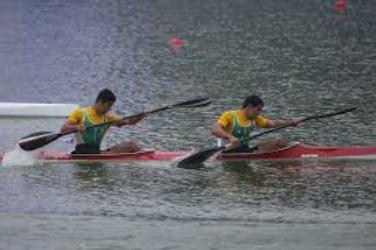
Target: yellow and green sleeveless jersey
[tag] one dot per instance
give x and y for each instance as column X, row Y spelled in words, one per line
column 236, row 122
column 88, row 117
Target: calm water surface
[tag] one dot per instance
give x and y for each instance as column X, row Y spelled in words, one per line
column 302, row 57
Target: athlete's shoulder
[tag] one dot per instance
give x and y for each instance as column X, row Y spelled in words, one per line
column 76, row 114
column 261, row 116
column 261, row 121
column 226, row 117
column 229, row 112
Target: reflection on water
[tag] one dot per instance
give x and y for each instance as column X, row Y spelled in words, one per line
column 327, row 185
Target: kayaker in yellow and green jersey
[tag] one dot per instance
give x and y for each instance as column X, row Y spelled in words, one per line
column 88, row 141
column 235, row 125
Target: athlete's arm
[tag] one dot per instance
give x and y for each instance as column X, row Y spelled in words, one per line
column 73, row 122
column 218, row 131
column 279, row 123
column 72, row 125
column 131, row 121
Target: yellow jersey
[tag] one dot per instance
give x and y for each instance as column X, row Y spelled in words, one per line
column 77, row 116
column 89, row 117
column 227, row 120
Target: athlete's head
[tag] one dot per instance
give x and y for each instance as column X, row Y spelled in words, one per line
column 104, row 101
column 252, row 106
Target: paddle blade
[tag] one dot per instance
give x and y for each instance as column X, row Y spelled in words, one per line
column 39, row 141
column 195, row 160
column 36, row 134
column 199, row 102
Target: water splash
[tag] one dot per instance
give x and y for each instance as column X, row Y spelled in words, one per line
column 19, row 157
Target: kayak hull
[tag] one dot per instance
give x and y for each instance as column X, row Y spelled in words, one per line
column 299, row 150
column 294, row 151
column 146, row 155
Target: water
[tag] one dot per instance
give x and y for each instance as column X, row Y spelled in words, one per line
column 18, row 157
column 302, row 58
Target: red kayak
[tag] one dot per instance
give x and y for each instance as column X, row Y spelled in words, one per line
column 294, row 151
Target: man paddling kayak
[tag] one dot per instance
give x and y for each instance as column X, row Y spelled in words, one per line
column 236, row 125
column 88, row 141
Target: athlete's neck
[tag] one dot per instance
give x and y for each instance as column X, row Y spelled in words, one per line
column 97, row 109
column 246, row 113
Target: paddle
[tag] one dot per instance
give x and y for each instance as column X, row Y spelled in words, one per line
column 40, row 139
column 193, row 161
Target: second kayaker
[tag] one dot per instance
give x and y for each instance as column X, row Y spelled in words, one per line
column 236, row 125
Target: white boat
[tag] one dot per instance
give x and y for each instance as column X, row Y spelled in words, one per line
column 19, row 109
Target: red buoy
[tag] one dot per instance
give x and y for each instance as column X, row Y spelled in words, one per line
column 175, row 44
column 340, row 5
column 175, row 41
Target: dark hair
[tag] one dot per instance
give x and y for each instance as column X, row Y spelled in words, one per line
column 254, row 100
column 106, row 95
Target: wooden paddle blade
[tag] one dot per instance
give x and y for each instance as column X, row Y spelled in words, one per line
column 194, row 160
column 37, row 141
column 199, row 102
